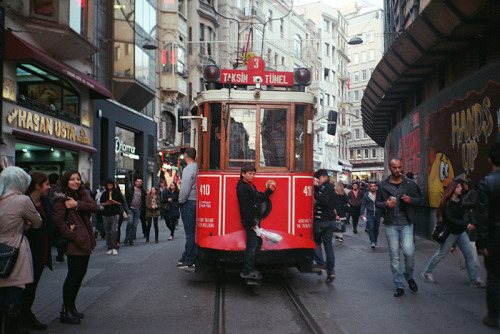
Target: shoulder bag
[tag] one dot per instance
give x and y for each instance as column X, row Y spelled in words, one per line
column 339, row 226
column 440, row 233
column 8, row 254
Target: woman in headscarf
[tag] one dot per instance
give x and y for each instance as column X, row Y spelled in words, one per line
column 72, row 210
column 17, row 214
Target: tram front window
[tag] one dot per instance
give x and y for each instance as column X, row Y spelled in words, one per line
column 242, row 137
column 299, row 138
column 273, row 137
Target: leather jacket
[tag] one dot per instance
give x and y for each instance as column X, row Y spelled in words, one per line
column 488, row 210
column 410, row 189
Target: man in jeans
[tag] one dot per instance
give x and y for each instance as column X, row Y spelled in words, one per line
column 136, row 200
column 187, row 202
column 399, row 196
column 324, row 216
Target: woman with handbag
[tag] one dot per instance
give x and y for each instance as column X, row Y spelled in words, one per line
column 17, row 214
column 340, row 203
column 172, row 214
column 452, row 211
column 41, row 240
column 72, row 210
column 152, row 212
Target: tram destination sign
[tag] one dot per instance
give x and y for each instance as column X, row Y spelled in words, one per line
column 256, row 73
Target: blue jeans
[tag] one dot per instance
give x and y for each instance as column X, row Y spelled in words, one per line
column 188, row 215
column 323, row 235
column 373, row 225
column 133, row 220
column 253, row 244
column 401, row 235
column 463, row 242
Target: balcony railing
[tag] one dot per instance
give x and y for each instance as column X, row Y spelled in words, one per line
column 51, row 110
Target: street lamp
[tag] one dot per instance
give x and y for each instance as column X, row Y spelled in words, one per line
column 355, row 40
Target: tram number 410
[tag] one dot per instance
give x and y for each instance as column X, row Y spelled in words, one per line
column 205, row 190
column 308, row 191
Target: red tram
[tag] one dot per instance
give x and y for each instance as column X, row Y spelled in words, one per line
column 264, row 118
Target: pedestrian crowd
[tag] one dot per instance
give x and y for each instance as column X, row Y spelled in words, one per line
column 470, row 220
column 39, row 211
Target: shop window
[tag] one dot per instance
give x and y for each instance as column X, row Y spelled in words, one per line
column 45, row 9
column 44, row 92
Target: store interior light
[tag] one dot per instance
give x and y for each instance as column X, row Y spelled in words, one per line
column 25, row 150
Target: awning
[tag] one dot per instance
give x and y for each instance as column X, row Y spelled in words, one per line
column 52, row 141
column 17, row 49
column 344, row 163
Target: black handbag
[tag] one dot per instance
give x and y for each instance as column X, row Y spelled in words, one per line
column 339, row 226
column 8, row 258
column 440, row 233
column 165, row 206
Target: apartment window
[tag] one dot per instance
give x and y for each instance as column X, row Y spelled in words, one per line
column 209, row 40
column 326, row 49
column 366, row 153
column 371, row 36
column 276, row 59
column 355, row 58
column 269, row 52
column 356, row 95
column 327, row 73
column 364, row 135
column 356, row 134
column 283, row 61
column 358, row 154
column 356, row 76
column 363, row 57
column 374, row 153
column 180, row 6
column 297, row 46
column 202, row 37
column 363, row 75
column 326, row 25
column 372, row 54
column 327, row 100
column 333, row 75
column 371, row 70
column 270, row 19
column 351, row 154
column 282, row 27
column 356, row 112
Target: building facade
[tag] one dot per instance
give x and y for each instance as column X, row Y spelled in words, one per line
column 366, row 156
column 433, row 99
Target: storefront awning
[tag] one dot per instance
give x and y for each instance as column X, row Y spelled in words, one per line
column 53, row 142
column 17, row 49
column 344, row 163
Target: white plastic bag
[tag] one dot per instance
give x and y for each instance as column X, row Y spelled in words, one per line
column 270, row 237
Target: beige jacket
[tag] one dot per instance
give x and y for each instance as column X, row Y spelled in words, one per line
column 18, row 208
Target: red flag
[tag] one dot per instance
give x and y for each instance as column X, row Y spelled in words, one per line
column 348, row 83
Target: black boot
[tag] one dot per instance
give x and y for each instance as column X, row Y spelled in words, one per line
column 12, row 320
column 78, row 314
column 68, row 317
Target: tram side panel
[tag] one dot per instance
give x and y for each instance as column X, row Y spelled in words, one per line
column 218, row 217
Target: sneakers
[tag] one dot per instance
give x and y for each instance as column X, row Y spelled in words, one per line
column 428, row 277
column 181, row 260
column 182, row 265
column 109, row 252
column 412, row 285
column 341, row 239
column 373, row 245
column 477, row 283
column 251, row 275
column 330, row 277
column 115, row 252
column 190, row 268
column 318, row 269
column 399, row 292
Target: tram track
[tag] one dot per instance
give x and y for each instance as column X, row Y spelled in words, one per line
column 220, row 312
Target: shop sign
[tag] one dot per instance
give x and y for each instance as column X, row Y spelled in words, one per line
column 151, row 166
column 43, row 124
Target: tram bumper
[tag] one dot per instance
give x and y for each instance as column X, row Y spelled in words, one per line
column 291, row 251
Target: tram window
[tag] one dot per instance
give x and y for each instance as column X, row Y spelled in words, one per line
column 242, row 124
column 215, row 135
column 299, row 138
column 273, row 137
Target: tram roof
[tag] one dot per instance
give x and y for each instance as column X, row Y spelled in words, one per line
column 247, row 96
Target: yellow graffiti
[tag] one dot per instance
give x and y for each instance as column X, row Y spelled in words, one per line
column 440, row 175
column 469, row 124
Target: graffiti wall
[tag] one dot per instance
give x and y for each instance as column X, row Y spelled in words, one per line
column 441, row 142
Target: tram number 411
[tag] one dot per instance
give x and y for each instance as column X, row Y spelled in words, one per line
column 205, row 190
column 308, row 191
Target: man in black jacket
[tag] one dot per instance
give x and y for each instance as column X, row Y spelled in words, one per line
column 324, row 217
column 399, row 197
column 250, row 201
column 488, row 240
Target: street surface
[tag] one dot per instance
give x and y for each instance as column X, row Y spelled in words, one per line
column 141, row 291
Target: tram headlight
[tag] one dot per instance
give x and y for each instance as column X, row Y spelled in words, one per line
column 211, row 73
column 302, row 76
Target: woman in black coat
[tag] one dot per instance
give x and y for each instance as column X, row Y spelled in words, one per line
column 171, row 196
column 40, row 240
